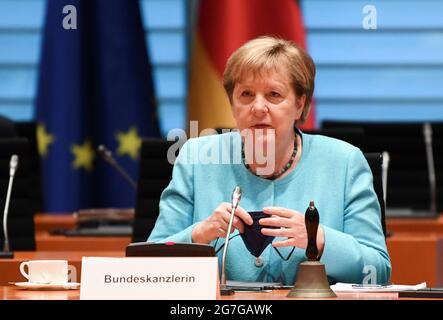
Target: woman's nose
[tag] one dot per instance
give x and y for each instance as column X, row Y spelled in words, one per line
column 259, row 106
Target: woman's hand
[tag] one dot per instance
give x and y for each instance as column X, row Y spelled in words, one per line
column 216, row 225
column 292, row 226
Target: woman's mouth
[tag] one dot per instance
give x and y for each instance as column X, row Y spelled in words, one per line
column 261, row 126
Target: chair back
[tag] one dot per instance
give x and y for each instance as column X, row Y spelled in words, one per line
column 408, row 185
column 155, row 173
column 375, row 161
column 28, row 130
column 21, row 228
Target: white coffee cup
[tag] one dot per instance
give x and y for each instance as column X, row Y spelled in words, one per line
column 46, row 271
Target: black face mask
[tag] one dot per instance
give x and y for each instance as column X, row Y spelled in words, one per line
column 255, row 241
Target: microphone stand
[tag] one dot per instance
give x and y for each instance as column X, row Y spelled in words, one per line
column 107, row 156
column 236, row 196
column 384, row 177
column 427, row 132
column 6, row 253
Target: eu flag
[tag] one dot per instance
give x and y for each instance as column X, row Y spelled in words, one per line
column 95, row 87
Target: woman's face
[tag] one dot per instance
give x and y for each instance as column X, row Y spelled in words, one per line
column 267, row 101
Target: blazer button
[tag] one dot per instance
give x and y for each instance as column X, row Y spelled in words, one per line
column 259, row 262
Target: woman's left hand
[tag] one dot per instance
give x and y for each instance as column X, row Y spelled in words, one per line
column 292, row 226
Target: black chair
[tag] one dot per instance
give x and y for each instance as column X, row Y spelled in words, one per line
column 408, row 184
column 155, row 173
column 7, row 128
column 21, row 228
column 356, row 136
column 28, row 130
column 437, row 146
column 375, row 161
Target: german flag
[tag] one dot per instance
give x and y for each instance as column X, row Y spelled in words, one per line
column 222, row 27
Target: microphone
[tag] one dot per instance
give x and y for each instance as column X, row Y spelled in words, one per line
column 384, row 176
column 427, row 133
column 235, row 200
column 107, row 156
column 6, row 253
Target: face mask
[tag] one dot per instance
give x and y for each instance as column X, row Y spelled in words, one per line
column 254, row 240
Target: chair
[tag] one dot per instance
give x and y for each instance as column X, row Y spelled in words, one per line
column 7, row 128
column 408, row 184
column 21, row 228
column 356, row 136
column 28, row 130
column 155, row 173
column 375, row 161
column 437, row 132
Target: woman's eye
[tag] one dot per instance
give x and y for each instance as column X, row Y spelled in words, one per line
column 246, row 94
column 275, row 94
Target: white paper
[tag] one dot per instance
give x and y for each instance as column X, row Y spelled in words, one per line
column 352, row 287
column 247, row 284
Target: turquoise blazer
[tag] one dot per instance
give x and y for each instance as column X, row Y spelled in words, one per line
column 331, row 172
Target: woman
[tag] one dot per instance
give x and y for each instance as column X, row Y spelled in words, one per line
column 270, row 83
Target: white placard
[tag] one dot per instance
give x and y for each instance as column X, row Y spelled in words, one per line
column 136, row 278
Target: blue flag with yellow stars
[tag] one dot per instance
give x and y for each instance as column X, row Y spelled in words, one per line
column 95, row 87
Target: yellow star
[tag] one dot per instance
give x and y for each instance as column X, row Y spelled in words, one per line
column 44, row 139
column 129, row 143
column 83, row 155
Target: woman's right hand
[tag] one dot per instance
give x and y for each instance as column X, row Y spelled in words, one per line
column 216, row 225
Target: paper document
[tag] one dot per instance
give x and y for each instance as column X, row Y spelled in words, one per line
column 246, row 284
column 352, row 287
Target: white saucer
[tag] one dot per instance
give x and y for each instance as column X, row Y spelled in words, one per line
column 60, row 286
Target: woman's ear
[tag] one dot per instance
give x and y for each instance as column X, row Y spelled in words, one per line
column 300, row 105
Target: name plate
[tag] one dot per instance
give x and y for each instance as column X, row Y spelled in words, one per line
column 141, row 278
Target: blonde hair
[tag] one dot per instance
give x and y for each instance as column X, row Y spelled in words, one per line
column 268, row 53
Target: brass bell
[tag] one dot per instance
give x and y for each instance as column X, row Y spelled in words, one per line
column 311, row 280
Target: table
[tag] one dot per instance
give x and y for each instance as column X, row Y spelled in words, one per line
column 415, row 248
column 46, row 222
column 416, row 258
column 415, row 226
column 48, row 242
column 13, row 293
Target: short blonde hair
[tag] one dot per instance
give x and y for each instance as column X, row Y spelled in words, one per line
column 267, row 53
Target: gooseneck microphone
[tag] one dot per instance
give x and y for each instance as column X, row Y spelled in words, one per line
column 235, row 200
column 13, row 164
column 427, row 133
column 107, row 156
column 384, row 173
